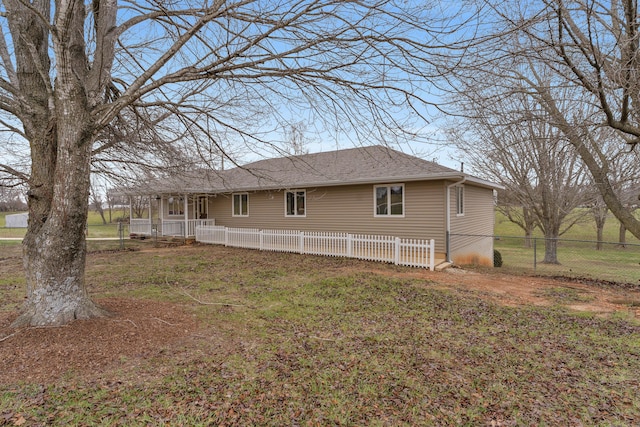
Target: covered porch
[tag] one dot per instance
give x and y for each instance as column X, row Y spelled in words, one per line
column 171, row 215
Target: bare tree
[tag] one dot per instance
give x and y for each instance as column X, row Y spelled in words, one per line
column 11, row 199
column 295, row 138
column 96, row 202
column 517, row 146
column 510, row 205
column 551, row 49
column 98, row 81
column 624, row 172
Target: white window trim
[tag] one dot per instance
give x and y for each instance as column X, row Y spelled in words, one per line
column 175, row 199
column 375, row 200
column 286, row 214
column 233, row 205
column 460, row 206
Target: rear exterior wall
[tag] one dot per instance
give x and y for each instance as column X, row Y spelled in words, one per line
column 471, row 238
column 347, row 209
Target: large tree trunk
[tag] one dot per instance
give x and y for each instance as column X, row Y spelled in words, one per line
column 551, row 228
column 54, row 247
column 599, row 235
column 622, row 236
column 529, row 226
column 550, row 250
column 600, row 218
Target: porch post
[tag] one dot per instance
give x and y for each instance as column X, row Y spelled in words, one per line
column 161, row 215
column 186, row 216
column 150, row 215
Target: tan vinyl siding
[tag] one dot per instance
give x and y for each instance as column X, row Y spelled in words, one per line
column 348, row 209
column 466, row 229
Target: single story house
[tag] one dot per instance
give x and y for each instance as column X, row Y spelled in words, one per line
column 370, row 190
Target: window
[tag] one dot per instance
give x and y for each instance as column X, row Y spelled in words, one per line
column 241, row 204
column 176, row 205
column 389, row 200
column 295, row 202
column 460, row 200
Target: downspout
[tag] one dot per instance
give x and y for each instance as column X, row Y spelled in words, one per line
column 448, row 217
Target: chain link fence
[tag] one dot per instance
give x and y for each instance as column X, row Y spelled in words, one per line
column 112, row 236
column 588, row 259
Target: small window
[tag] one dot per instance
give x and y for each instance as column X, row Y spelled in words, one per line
column 460, row 200
column 241, row 204
column 176, row 205
column 295, row 203
column 389, row 200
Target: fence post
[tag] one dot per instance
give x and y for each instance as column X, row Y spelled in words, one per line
column 349, row 245
column 302, row 242
column 432, row 255
column 535, row 253
column 397, row 251
column 261, row 239
column 226, row 237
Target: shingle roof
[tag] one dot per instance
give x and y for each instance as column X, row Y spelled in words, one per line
column 373, row 164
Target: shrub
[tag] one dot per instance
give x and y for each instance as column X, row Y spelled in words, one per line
column 497, row 258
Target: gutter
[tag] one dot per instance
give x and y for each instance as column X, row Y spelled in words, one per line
column 448, row 216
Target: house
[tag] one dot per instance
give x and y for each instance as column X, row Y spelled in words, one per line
column 371, row 190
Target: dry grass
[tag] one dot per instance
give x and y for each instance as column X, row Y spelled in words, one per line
column 301, row 340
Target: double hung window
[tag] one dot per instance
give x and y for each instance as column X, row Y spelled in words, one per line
column 295, row 203
column 389, row 200
column 241, row 204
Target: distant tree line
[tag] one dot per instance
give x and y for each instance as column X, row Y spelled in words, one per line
column 12, row 199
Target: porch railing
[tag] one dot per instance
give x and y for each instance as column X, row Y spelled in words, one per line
column 410, row 252
column 176, row 227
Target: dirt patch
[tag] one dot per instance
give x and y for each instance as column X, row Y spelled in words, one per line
column 515, row 290
column 138, row 329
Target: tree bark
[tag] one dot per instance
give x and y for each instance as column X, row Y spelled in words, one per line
column 622, row 236
column 54, row 247
column 551, row 251
column 600, row 218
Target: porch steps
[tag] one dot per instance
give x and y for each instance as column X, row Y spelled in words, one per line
column 443, row 266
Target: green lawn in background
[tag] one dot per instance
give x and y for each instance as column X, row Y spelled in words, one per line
column 577, row 253
column 585, row 230
column 95, row 229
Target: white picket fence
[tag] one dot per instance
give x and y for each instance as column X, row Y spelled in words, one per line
column 140, row 226
column 410, row 252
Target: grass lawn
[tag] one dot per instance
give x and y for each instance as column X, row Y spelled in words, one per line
column 300, row 340
column 95, row 227
column 585, row 230
column 576, row 251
